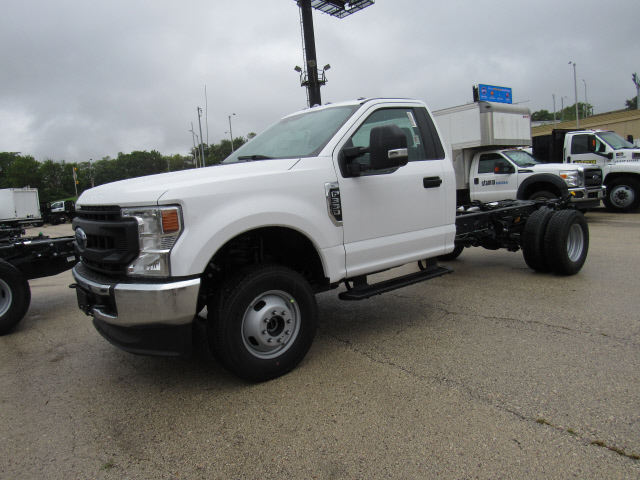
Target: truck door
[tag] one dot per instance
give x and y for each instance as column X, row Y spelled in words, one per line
column 394, row 217
column 488, row 186
column 579, row 151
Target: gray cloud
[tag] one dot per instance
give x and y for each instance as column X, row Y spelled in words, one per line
column 84, row 80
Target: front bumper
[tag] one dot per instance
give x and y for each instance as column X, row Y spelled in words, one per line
column 587, row 197
column 140, row 316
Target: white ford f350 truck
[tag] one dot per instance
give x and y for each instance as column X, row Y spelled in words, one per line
column 618, row 158
column 482, row 138
column 325, row 196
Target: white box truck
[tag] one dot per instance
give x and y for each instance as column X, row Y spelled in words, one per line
column 19, row 206
column 484, row 140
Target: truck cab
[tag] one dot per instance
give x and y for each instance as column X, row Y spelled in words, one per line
column 515, row 174
column 618, row 158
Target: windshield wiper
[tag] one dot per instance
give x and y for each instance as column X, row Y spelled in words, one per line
column 254, row 157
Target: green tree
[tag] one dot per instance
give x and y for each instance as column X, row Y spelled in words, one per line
column 541, row 116
column 23, row 171
column 632, row 104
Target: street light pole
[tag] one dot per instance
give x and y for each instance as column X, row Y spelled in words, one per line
column 575, row 86
column 231, row 132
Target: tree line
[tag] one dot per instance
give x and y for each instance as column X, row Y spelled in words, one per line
column 568, row 113
column 55, row 179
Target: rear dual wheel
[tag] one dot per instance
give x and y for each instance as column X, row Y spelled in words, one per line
column 556, row 242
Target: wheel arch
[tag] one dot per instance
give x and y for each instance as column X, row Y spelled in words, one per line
column 617, row 175
column 268, row 244
column 543, row 181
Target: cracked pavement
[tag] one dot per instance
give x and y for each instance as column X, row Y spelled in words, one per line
column 492, row 372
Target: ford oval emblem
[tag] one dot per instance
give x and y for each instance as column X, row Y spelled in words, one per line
column 81, row 239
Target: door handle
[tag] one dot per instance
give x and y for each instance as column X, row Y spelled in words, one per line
column 431, row 182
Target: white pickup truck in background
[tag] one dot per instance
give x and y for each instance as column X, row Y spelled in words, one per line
column 483, row 138
column 618, row 158
column 326, row 196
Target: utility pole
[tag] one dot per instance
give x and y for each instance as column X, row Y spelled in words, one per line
column 195, row 150
column 231, row 132
column 554, row 109
column 201, row 139
column 586, row 102
column 636, row 80
column 575, row 86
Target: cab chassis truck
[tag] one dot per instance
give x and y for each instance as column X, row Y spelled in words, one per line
column 326, row 196
column 23, row 259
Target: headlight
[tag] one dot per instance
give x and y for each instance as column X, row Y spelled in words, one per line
column 158, row 230
column 572, row 177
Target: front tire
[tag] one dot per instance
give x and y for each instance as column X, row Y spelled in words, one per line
column 15, row 296
column 566, row 242
column 262, row 322
column 543, row 195
column 623, row 195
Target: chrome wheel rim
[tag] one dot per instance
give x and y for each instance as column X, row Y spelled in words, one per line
column 5, row 298
column 622, row 196
column 575, row 242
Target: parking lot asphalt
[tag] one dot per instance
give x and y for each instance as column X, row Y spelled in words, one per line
column 495, row 371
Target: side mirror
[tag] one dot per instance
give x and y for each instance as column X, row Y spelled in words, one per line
column 387, row 147
column 502, row 167
column 591, row 143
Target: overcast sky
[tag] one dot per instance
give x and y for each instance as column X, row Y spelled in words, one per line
column 83, row 79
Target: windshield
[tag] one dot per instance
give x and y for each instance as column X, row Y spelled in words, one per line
column 520, row 158
column 301, row 135
column 614, row 140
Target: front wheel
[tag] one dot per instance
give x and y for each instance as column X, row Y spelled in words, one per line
column 15, row 296
column 262, row 322
column 623, row 195
column 543, row 195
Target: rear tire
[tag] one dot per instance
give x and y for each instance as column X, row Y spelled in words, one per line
column 15, row 296
column 533, row 239
column 623, row 195
column 262, row 322
column 566, row 242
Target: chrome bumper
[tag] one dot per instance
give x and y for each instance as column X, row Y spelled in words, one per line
column 134, row 302
column 586, row 194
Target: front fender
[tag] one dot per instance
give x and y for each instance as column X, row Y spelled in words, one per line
column 541, row 178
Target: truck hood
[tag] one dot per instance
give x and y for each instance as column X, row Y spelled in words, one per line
column 148, row 190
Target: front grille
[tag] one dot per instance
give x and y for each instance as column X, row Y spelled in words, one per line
column 635, row 156
column 112, row 241
column 592, row 177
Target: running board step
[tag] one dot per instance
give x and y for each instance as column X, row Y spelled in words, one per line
column 362, row 293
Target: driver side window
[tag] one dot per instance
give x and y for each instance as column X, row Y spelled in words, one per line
column 401, row 117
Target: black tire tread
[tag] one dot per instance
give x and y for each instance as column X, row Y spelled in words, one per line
column 533, row 239
column 220, row 324
column 21, row 296
column 555, row 242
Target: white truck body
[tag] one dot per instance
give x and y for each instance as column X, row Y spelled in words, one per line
column 618, row 158
column 480, row 133
column 325, row 196
column 19, row 205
